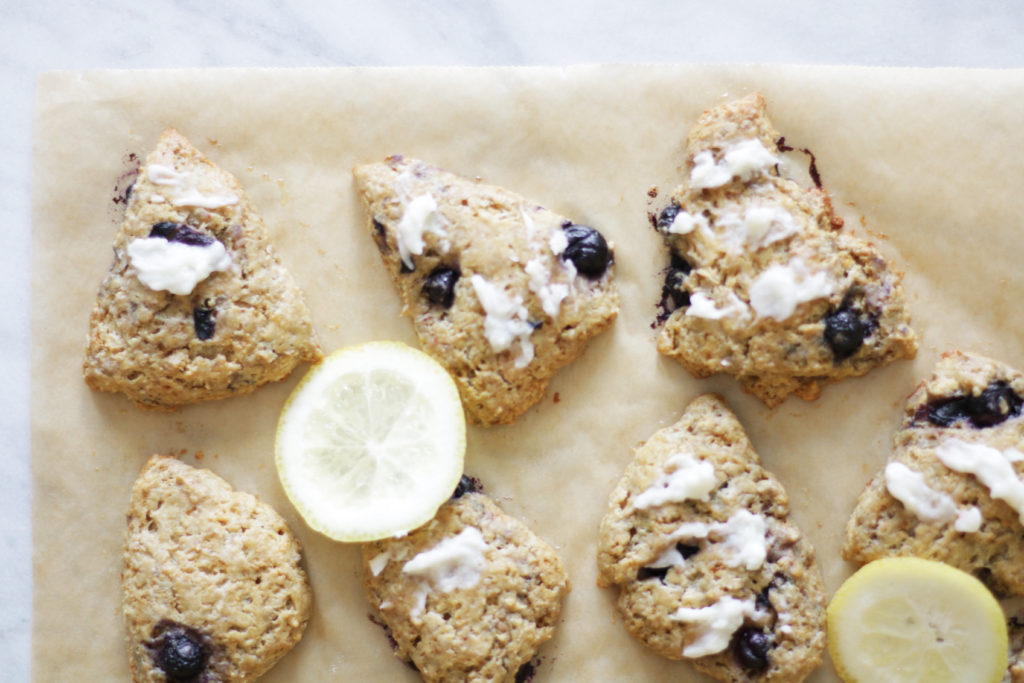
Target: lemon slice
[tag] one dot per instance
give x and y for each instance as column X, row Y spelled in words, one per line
column 905, row 619
column 371, row 442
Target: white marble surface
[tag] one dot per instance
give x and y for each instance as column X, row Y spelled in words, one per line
column 43, row 35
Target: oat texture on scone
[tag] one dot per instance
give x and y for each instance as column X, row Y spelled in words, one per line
column 763, row 283
column 951, row 490
column 501, row 291
column 196, row 304
column 698, row 542
column 213, row 588
column 470, row 596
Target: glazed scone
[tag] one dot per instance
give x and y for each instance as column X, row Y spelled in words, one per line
column 952, row 489
column 213, row 589
column 708, row 567
column 196, row 305
column 470, row 596
column 501, row 291
column 762, row 282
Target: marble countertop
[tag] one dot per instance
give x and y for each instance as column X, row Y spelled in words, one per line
column 87, row 34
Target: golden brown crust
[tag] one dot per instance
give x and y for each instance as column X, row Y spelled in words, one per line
column 146, row 343
column 882, row 526
column 498, row 236
column 787, row 587
column 480, row 633
column 728, row 252
column 200, row 555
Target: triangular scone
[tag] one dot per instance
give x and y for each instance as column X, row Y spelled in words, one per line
column 212, row 586
column 469, row 596
column 952, row 489
column 238, row 319
column 762, row 283
column 698, row 541
column 501, row 291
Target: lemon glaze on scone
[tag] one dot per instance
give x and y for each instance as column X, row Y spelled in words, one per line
column 762, row 282
column 213, row 588
column 196, row 305
column 708, row 566
column 470, row 596
column 501, row 291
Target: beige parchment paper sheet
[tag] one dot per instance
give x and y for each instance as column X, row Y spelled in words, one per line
column 928, row 160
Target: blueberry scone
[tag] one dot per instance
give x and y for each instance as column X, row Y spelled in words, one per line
column 213, row 590
column 501, row 291
column 196, row 305
column 470, row 596
column 952, row 489
column 1015, row 667
column 708, row 567
column 762, row 283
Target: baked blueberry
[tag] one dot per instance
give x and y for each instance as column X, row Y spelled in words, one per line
column 667, row 217
column 646, row 573
column 180, row 653
column 673, row 293
column 179, row 232
column 751, row 646
column 380, row 236
column 526, row 673
column 844, row 333
column 997, row 403
column 203, row 319
column 687, row 551
column 994, row 405
column 467, row 484
column 946, row 411
column 439, row 287
column 587, row 249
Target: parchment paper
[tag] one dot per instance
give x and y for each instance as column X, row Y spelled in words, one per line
column 929, row 160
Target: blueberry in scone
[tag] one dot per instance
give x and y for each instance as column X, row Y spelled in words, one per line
column 952, row 490
column 213, row 588
column 501, row 291
column 470, row 596
column 762, row 282
column 698, row 542
column 196, row 305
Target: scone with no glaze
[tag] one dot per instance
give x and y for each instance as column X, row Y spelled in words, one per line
column 762, row 282
column 501, row 291
column 708, row 566
column 196, row 305
column 952, row 489
column 213, row 589
column 470, row 596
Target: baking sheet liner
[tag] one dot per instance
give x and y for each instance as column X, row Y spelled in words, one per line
column 924, row 162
